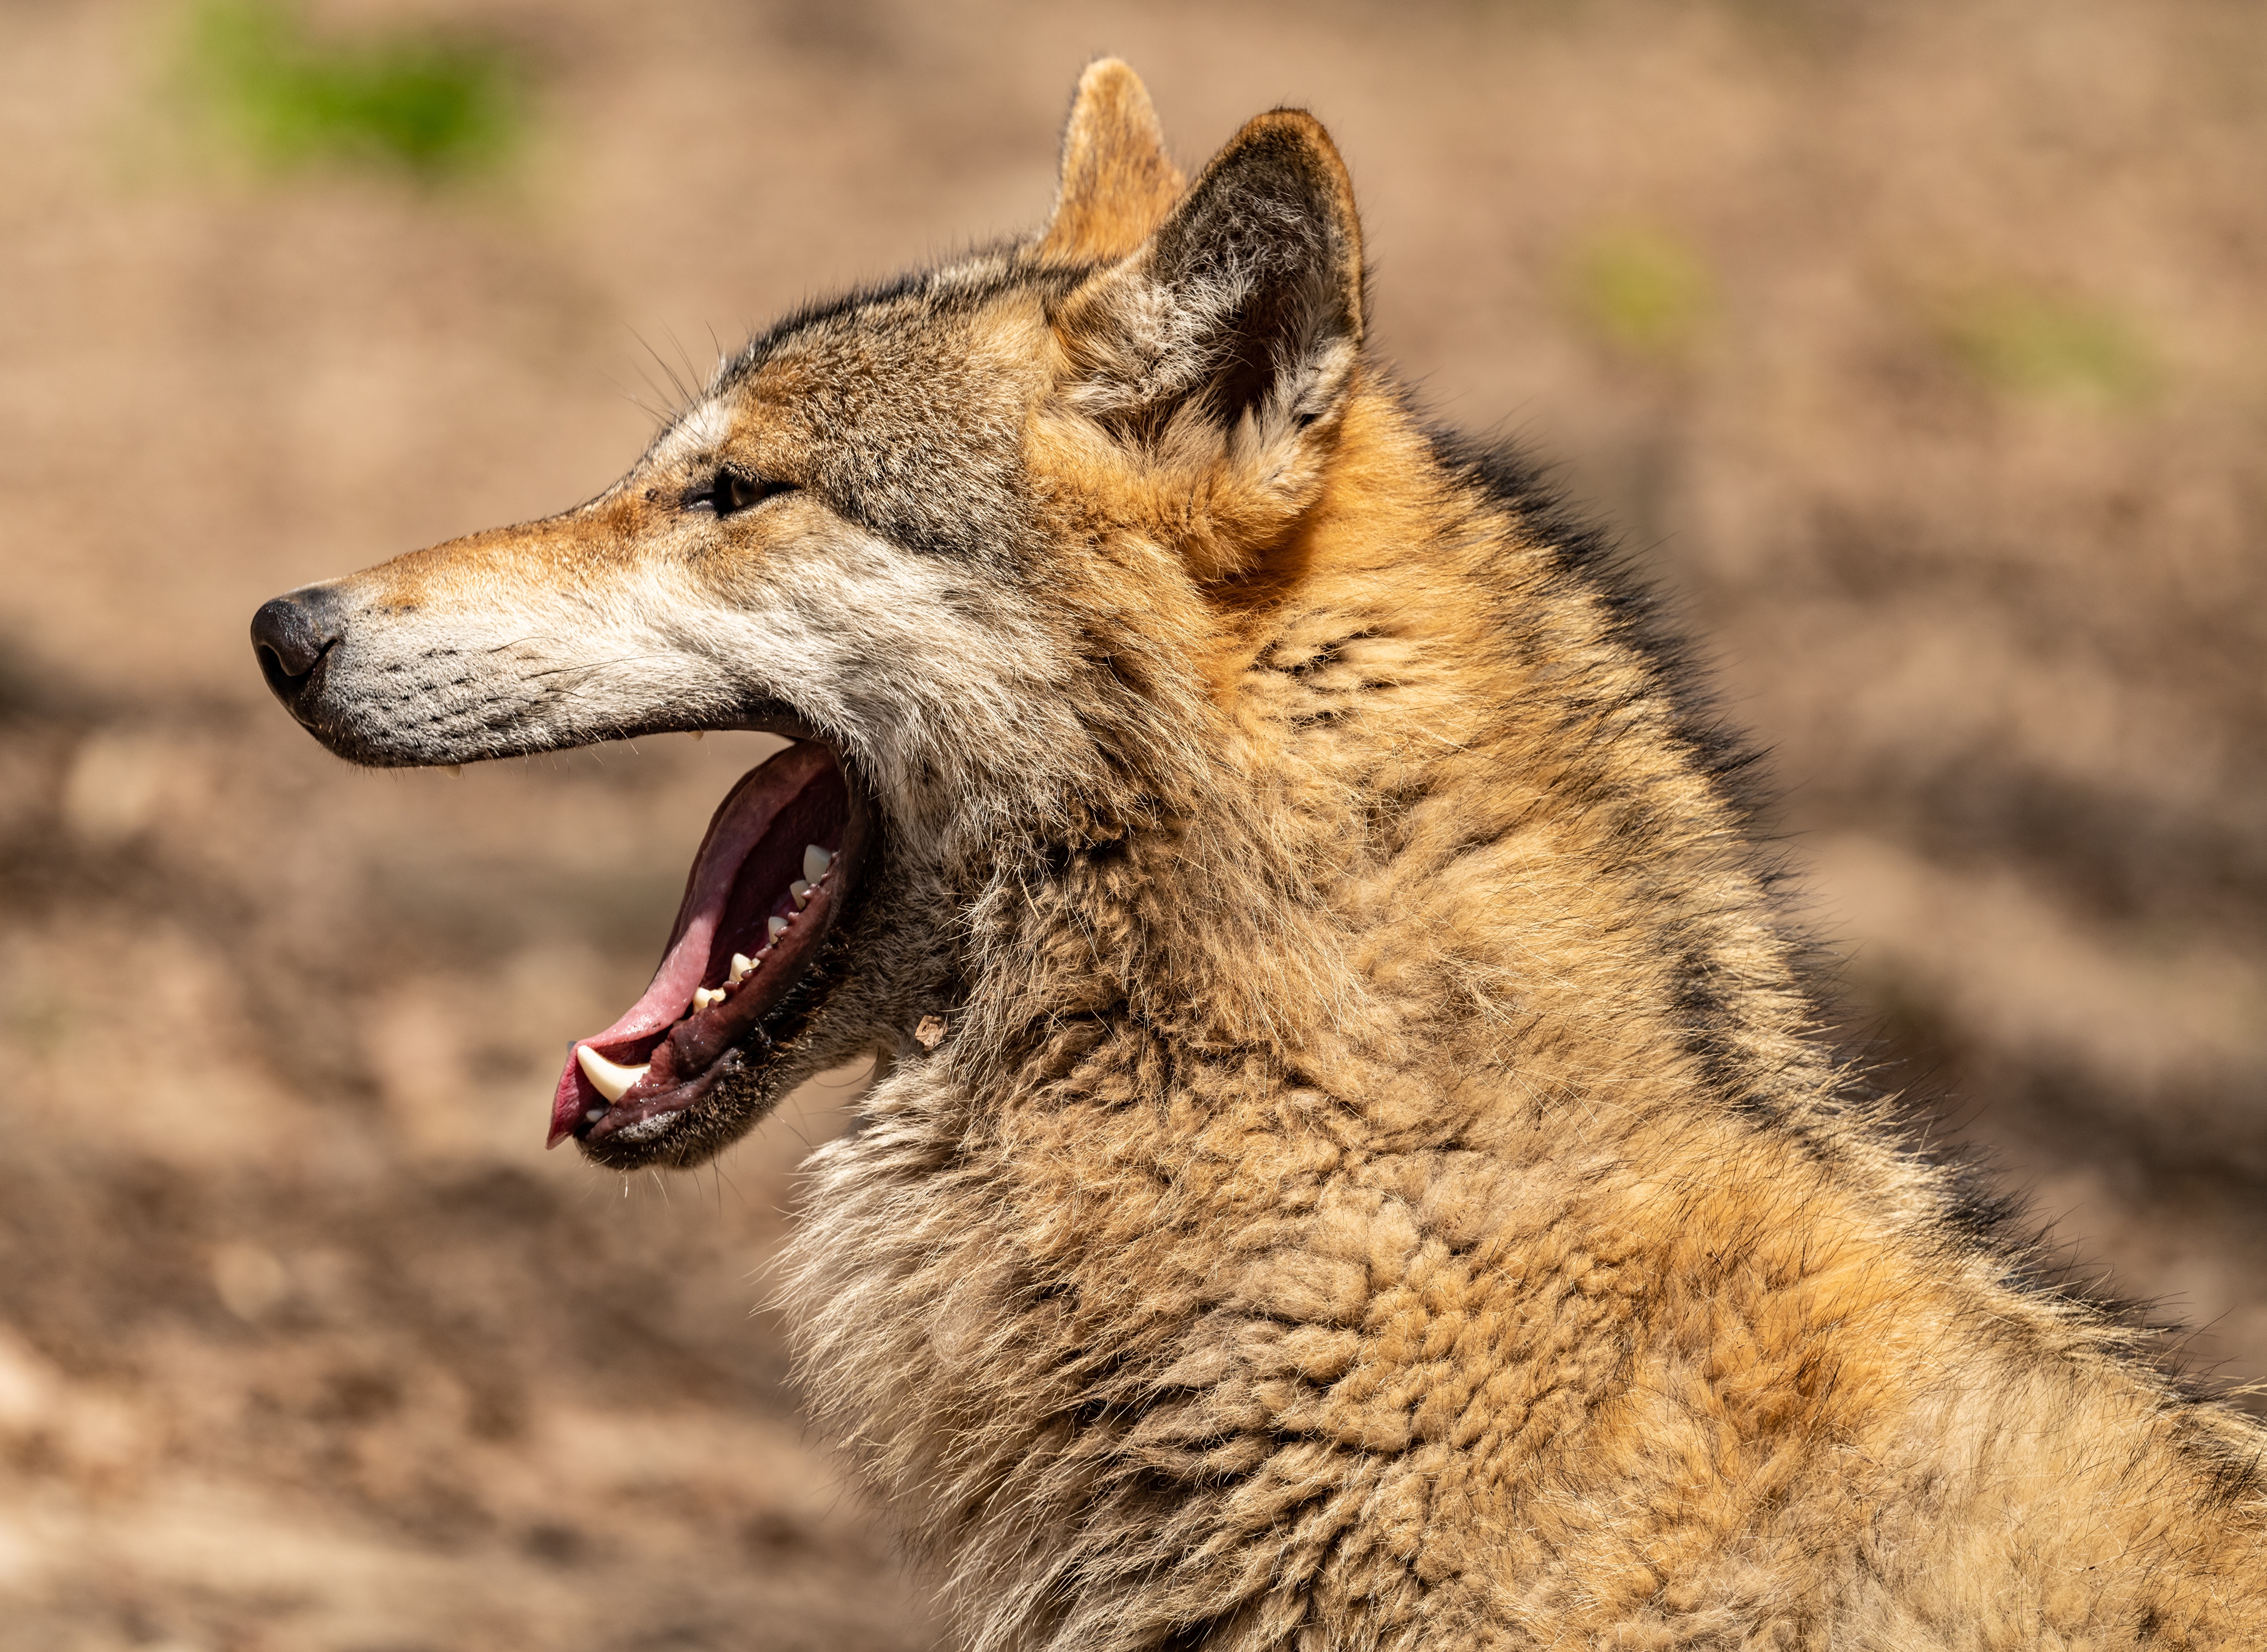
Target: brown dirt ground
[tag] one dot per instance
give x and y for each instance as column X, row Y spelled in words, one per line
column 305, row 1344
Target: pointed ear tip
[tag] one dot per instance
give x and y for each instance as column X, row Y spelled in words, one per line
column 1282, row 133
column 1297, row 123
column 1110, row 76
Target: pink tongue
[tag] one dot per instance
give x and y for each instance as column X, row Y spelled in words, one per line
column 737, row 828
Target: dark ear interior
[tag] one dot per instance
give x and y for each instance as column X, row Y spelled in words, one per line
column 1268, row 245
column 1246, row 300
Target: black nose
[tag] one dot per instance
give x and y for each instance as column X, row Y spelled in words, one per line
column 291, row 634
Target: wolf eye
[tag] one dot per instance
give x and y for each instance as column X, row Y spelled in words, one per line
column 733, row 491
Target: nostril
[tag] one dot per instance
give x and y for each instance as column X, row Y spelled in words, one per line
column 289, row 638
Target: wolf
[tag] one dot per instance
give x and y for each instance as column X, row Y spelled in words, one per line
column 1354, row 1163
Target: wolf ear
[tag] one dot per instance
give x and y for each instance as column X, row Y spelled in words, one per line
column 1246, row 303
column 1118, row 182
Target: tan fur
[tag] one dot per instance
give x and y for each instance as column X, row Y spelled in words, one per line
column 1441, row 1306
column 1379, row 1183
column 1117, row 180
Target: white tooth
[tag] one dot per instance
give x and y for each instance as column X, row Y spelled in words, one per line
column 702, row 997
column 593, row 1115
column 815, row 862
column 778, row 927
column 743, row 967
column 608, row 1079
column 800, row 891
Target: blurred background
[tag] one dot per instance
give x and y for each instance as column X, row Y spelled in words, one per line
column 1920, row 349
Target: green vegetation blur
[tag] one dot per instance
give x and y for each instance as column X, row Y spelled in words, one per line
column 2054, row 347
column 1649, row 296
column 430, row 104
column 1642, row 290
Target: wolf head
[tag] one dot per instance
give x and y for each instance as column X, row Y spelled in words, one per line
column 975, row 541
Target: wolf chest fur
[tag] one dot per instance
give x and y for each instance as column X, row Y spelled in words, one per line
column 1353, row 1164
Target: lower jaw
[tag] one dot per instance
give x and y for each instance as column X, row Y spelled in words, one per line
column 735, row 1097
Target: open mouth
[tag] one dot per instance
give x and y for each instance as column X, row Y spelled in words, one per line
column 776, row 870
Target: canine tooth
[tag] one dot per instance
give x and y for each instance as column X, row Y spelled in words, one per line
column 593, row 1115
column 778, row 927
column 608, row 1079
column 743, row 967
column 800, row 891
column 697, row 733
column 815, row 862
column 703, row 996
